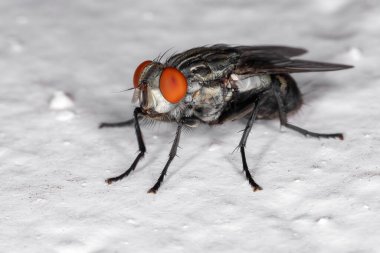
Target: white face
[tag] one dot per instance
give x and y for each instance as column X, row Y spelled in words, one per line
column 152, row 100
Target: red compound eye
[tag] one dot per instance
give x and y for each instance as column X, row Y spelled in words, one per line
column 173, row 85
column 138, row 72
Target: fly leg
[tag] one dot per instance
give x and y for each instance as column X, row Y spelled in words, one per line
column 284, row 119
column 172, row 154
column 117, row 124
column 142, row 148
column 243, row 142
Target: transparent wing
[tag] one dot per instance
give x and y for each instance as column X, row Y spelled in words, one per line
column 217, row 61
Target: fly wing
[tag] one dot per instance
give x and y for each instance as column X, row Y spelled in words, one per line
column 272, row 62
column 219, row 61
column 206, row 63
column 279, row 50
column 223, row 51
column 205, row 55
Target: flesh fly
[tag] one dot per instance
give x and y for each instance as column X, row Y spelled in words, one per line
column 219, row 83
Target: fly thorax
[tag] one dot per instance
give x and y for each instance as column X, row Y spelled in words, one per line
column 193, row 86
column 208, row 102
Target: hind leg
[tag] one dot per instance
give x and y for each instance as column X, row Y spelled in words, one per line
column 276, row 86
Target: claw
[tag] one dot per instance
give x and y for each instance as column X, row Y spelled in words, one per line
column 152, row 190
column 257, row 188
column 109, row 181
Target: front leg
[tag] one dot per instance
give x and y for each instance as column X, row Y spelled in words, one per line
column 284, row 118
column 142, row 148
column 172, row 154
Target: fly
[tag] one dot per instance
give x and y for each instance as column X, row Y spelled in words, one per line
column 219, row 83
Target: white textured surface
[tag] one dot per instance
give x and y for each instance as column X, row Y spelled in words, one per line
column 319, row 195
column 61, row 101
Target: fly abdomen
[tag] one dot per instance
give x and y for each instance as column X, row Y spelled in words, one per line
column 254, row 83
column 290, row 94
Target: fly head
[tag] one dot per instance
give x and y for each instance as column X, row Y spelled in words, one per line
column 158, row 88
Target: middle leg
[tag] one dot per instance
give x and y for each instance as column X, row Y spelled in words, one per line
column 259, row 100
column 117, row 124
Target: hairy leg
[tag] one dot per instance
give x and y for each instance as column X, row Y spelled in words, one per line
column 117, row 124
column 284, row 119
column 243, row 142
column 142, row 149
column 172, row 154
